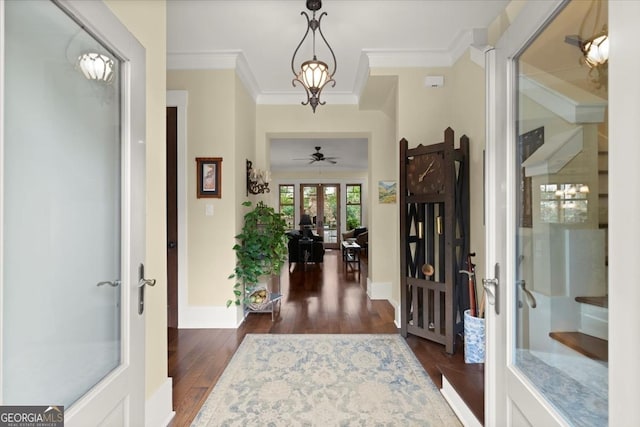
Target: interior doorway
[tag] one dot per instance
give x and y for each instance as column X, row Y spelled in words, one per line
column 322, row 203
column 172, row 217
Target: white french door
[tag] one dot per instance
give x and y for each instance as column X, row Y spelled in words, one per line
column 548, row 220
column 72, row 211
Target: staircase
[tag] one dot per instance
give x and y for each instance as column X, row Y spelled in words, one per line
column 591, row 339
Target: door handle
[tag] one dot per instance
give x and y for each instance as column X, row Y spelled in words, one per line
column 142, row 282
column 492, row 288
column 113, row 284
column 531, row 299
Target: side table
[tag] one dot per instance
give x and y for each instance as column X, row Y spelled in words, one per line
column 351, row 254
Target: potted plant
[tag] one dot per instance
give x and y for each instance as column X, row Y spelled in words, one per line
column 261, row 250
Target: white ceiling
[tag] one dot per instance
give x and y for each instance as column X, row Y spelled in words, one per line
column 350, row 154
column 257, row 38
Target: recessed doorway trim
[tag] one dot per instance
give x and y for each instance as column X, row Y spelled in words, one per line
column 179, row 99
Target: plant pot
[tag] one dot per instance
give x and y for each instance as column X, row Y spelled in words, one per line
column 474, row 333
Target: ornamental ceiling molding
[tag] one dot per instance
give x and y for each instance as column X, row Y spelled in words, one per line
column 369, row 59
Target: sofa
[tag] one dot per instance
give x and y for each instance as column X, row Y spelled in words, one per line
column 315, row 248
column 361, row 234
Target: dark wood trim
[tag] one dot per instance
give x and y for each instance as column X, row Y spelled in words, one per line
column 592, row 347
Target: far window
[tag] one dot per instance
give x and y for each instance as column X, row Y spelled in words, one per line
column 354, row 206
column 563, row 203
column 287, row 203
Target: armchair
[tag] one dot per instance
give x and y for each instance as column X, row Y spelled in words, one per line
column 316, row 252
column 361, row 234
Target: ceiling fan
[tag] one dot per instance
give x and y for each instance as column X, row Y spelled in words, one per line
column 319, row 157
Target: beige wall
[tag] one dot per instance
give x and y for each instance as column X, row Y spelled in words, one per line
column 147, row 22
column 335, row 121
column 468, row 118
column 211, row 132
column 423, row 113
column 224, row 121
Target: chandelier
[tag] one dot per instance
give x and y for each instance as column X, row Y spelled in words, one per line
column 593, row 45
column 313, row 74
column 97, row 67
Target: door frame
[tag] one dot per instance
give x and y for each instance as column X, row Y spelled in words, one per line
column 624, row 203
column 180, row 100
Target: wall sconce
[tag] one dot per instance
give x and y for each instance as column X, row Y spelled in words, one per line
column 257, row 180
column 313, row 74
column 95, row 66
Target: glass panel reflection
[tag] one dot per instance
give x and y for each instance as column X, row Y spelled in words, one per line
column 61, row 212
column 561, row 253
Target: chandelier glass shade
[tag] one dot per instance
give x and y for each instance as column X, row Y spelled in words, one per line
column 596, row 50
column 313, row 74
column 95, row 66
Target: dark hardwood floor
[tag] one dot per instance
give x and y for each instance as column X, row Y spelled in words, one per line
column 328, row 299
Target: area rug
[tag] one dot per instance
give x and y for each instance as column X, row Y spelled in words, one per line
column 324, row 380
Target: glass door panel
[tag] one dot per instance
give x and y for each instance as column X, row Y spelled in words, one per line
column 61, row 230
column 330, row 215
column 562, row 219
column 321, row 202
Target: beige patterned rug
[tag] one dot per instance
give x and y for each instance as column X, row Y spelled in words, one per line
column 324, row 380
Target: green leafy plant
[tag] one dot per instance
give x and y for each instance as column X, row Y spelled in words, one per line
column 261, row 250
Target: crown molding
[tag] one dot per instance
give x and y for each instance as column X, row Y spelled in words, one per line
column 220, row 60
column 573, row 104
column 297, row 97
column 407, row 58
column 369, row 58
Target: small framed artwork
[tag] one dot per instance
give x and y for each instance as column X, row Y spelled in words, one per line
column 209, row 170
column 387, row 191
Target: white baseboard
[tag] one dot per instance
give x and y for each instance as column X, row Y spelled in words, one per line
column 378, row 290
column 206, row 317
column 396, row 311
column 159, row 408
column 460, row 408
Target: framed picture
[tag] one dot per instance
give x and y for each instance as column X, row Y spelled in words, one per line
column 209, row 170
column 528, row 143
column 387, row 191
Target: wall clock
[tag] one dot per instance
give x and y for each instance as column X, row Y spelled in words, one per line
column 425, row 173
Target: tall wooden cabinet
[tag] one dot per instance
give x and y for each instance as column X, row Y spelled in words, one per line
column 434, row 230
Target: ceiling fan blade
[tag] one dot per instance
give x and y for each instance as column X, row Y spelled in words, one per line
column 332, row 161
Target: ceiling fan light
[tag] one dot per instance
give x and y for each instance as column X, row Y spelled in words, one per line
column 596, row 50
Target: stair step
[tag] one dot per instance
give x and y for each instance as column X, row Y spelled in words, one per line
column 468, row 381
column 592, row 347
column 597, row 301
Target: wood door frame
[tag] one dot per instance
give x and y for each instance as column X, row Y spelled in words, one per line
column 172, row 217
column 179, row 99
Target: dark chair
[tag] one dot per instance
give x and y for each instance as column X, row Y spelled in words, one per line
column 314, row 252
